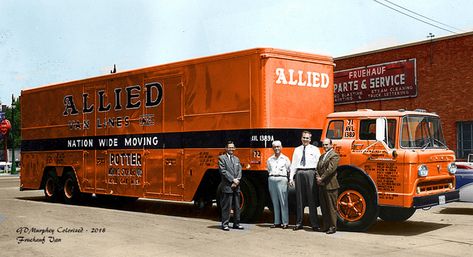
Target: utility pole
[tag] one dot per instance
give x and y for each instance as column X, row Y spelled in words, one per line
column 431, row 36
column 13, row 162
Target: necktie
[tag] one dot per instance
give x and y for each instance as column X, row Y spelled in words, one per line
column 303, row 157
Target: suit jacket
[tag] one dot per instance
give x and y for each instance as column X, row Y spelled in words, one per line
column 327, row 170
column 228, row 172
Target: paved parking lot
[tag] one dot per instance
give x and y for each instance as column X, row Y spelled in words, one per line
column 29, row 226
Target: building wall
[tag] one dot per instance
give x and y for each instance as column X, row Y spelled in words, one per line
column 444, row 79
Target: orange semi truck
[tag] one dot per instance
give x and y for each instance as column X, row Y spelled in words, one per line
column 156, row 133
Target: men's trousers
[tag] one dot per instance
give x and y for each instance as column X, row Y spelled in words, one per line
column 278, row 192
column 328, row 206
column 306, row 194
column 228, row 201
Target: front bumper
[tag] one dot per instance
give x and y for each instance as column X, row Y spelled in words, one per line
column 432, row 200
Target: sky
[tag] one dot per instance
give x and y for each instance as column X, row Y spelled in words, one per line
column 50, row 41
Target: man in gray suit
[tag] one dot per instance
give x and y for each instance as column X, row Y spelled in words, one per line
column 230, row 171
column 328, row 186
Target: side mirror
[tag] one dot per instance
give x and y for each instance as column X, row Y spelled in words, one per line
column 380, row 129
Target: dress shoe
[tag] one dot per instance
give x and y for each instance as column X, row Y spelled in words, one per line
column 238, row 226
column 331, row 230
column 297, row 227
column 275, row 226
column 225, row 228
column 317, row 229
column 284, row 226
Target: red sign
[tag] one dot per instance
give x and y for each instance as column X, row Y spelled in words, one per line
column 376, row 82
column 5, row 126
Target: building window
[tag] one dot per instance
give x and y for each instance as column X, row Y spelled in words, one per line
column 464, row 139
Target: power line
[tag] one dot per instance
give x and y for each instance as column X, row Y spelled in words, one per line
column 425, row 17
column 415, row 17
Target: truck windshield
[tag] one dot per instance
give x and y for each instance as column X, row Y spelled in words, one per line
column 422, row 132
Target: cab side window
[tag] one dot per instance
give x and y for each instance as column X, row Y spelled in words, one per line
column 368, row 131
column 335, row 129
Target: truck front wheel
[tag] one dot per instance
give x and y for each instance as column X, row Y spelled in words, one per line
column 388, row 213
column 356, row 207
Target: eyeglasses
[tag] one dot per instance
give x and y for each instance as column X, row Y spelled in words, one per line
column 325, row 144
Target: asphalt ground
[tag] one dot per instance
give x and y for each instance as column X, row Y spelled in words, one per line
column 30, row 226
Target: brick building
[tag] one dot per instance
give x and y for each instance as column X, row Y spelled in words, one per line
column 443, row 83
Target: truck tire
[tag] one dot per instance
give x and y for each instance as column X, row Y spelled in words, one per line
column 292, row 200
column 356, row 208
column 249, row 205
column 388, row 213
column 262, row 197
column 71, row 192
column 248, row 201
column 52, row 188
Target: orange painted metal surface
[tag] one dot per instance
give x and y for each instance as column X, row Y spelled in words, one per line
column 154, row 132
column 396, row 177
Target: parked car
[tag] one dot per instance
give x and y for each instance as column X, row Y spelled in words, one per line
column 5, row 167
column 464, row 177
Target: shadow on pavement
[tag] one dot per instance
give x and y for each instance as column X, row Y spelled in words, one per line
column 144, row 206
column 405, row 228
column 188, row 210
column 152, row 206
column 458, row 211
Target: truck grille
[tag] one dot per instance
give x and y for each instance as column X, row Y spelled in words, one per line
column 427, row 186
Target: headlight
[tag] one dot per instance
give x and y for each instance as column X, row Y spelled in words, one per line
column 422, row 170
column 452, row 168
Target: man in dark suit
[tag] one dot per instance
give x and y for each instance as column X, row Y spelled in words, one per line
column 328, row 186
column 230, row 171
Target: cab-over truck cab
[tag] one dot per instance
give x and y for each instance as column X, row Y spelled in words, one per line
column 391, row 163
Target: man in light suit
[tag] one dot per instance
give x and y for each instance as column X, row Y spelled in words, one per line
column 326, row 178
column 230, row 171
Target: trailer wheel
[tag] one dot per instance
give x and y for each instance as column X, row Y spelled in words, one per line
column 248, row 201
column 52, row 187
column 71, row 192
column 388, row 213
column 356, row 207
column 262, row 197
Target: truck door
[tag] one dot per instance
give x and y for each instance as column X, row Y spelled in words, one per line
column 152, row 122
column 164, row 166
column 94, row 160
column 173, row 149
column 382, row 168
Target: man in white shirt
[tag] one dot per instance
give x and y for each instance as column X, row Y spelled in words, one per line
column 304, row 164
column 278, row 169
